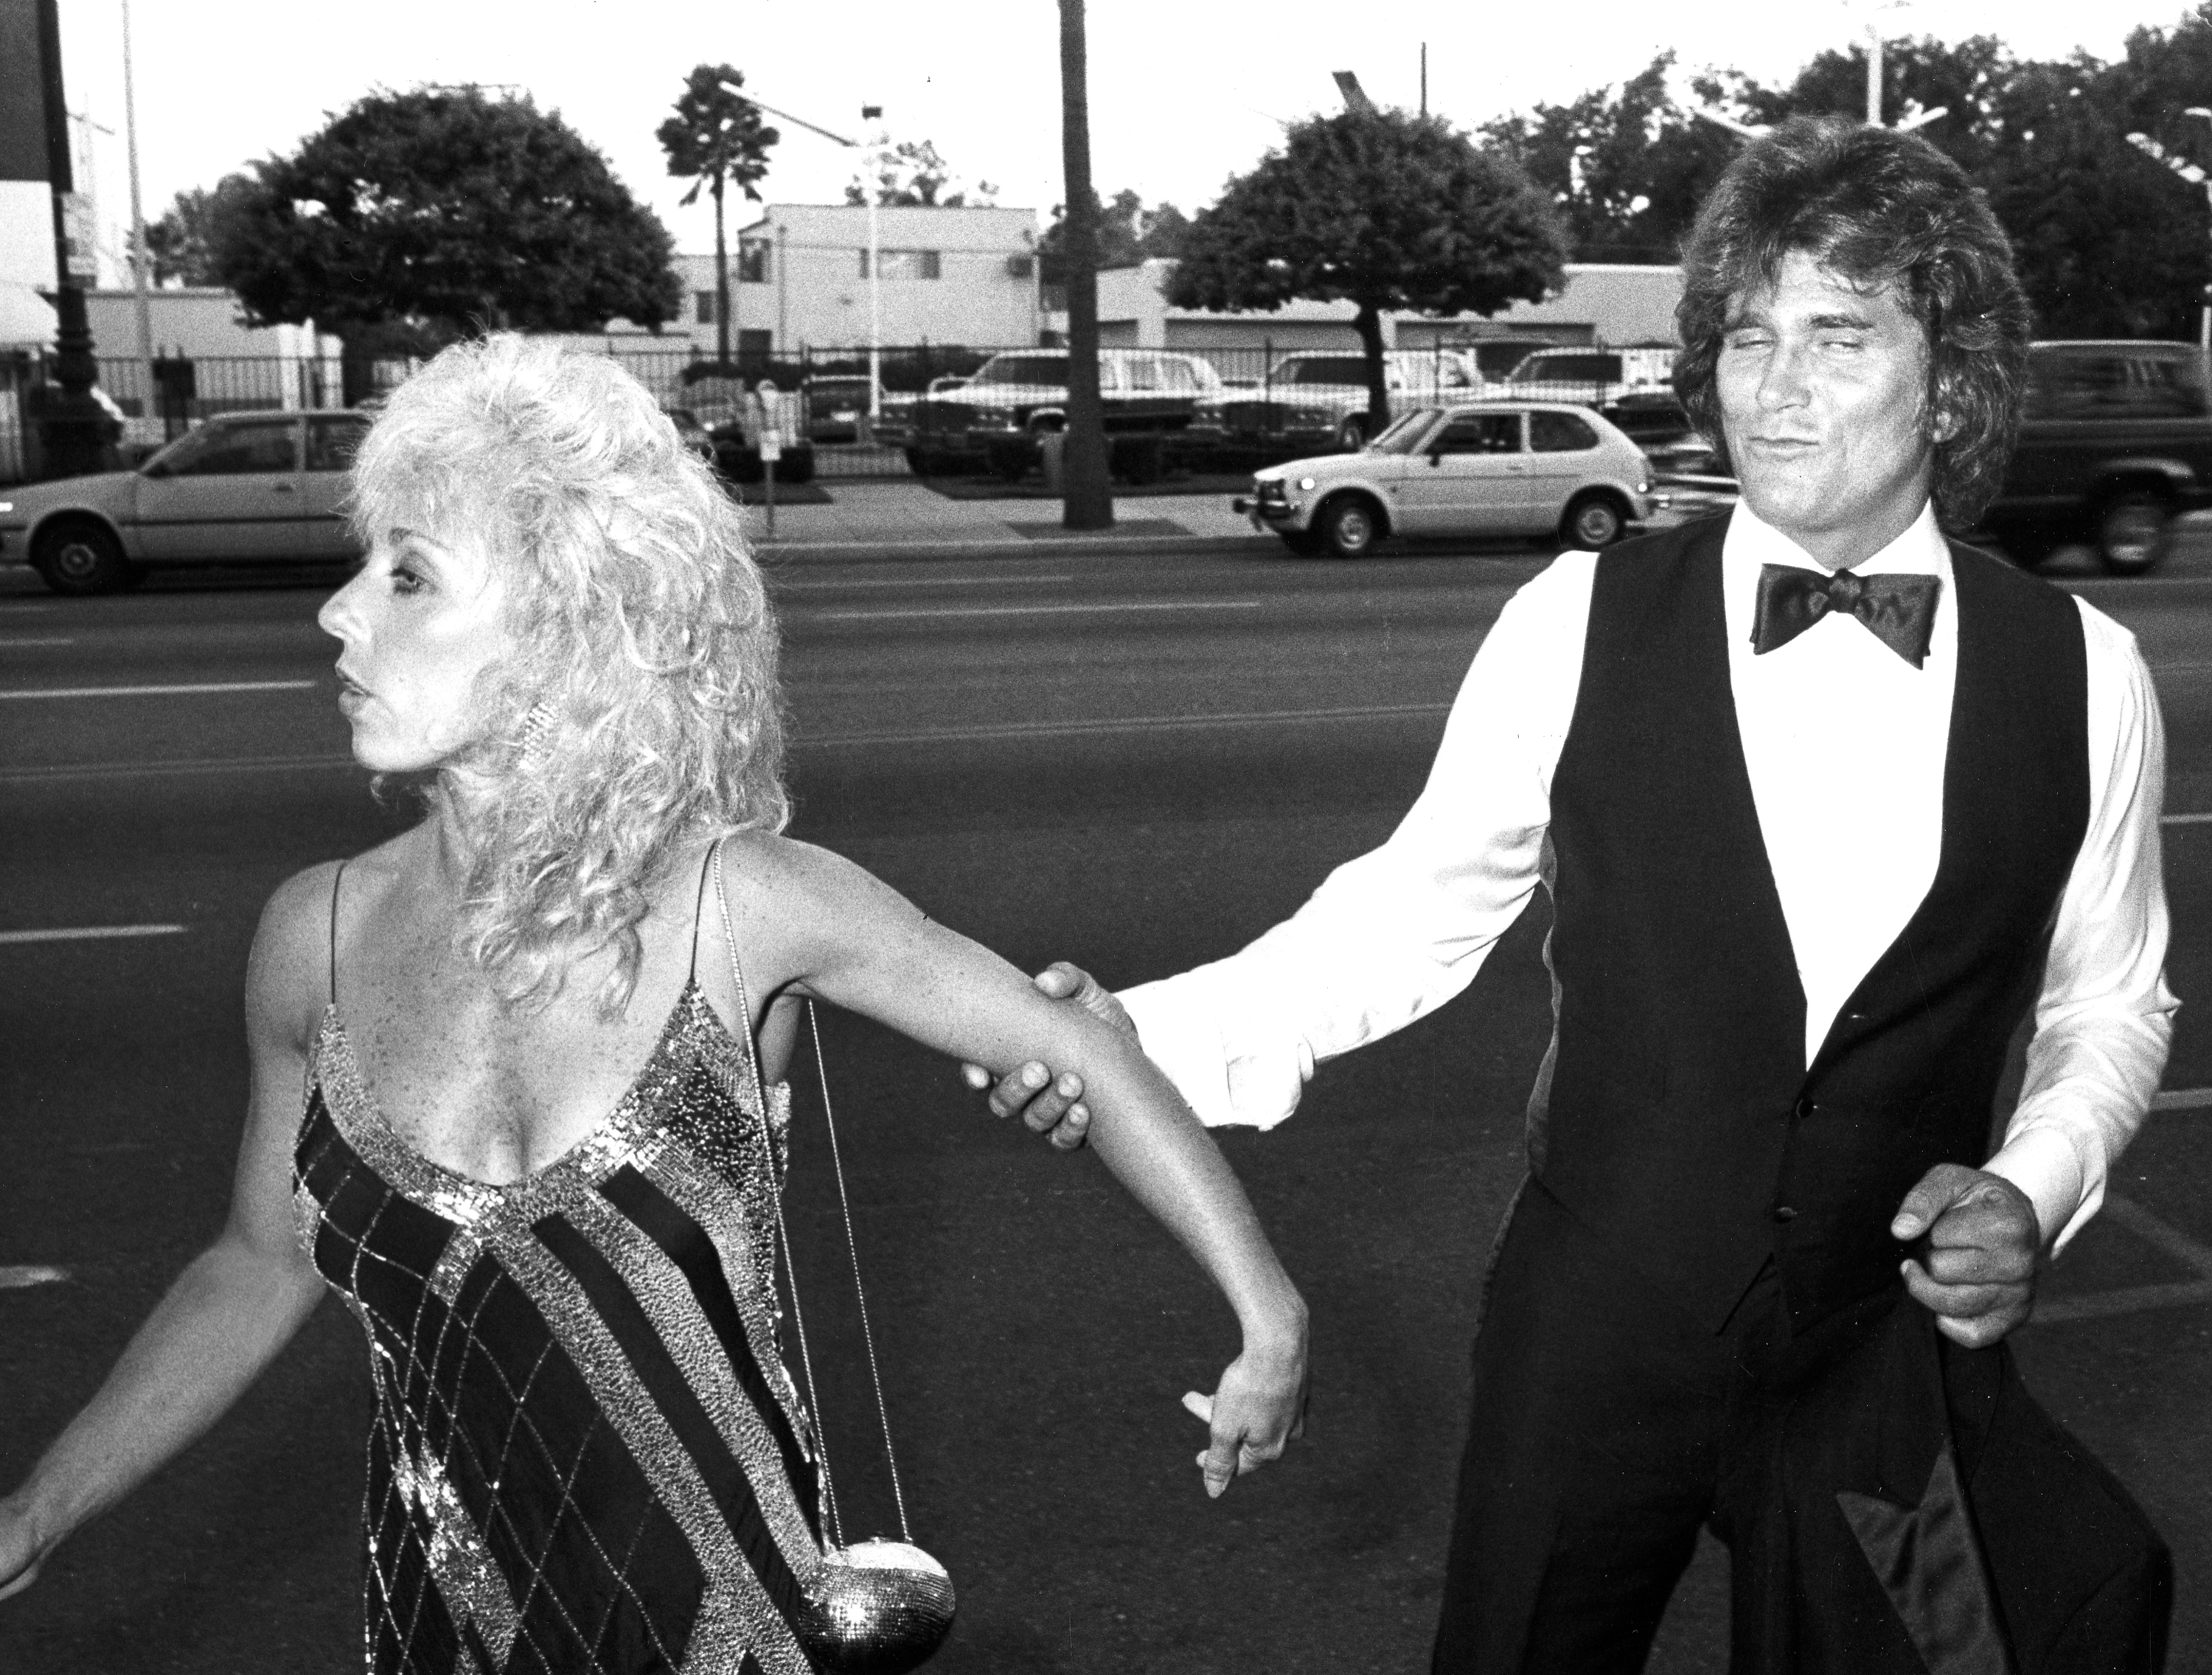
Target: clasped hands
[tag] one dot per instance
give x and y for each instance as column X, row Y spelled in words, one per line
column 1980, row 1240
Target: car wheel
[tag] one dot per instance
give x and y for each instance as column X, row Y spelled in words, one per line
column 2131, row 532
column 80, row 557
column 1592, row 521
column 1351, row 435
column 1347, row 525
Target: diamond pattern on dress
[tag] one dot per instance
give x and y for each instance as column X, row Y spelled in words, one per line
column 586, row 1456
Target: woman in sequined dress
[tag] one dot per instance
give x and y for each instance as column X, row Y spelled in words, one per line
column 537, row 1157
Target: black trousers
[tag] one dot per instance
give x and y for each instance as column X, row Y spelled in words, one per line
column 1608, row 1426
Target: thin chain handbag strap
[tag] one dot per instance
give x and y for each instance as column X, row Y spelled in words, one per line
column 783, row 1237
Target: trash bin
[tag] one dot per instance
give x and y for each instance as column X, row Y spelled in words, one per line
column 1052, row 447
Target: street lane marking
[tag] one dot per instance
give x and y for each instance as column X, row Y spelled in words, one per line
column 1011, row 729
column 20, row 1278
column 2186, row 820
column 2133, row 1299
column 2182, row 1099
column 186, row 765
column 91, row 933
column 780, row 585
column 1123, row 723
column 177, row 691
column 20, row 645
column 1029, row 610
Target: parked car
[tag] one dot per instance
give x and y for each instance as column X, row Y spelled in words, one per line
column 2116, row 438
column 997, row 419
column 836, row 405
column 1490, row 469
column 1310, row 402
column 1594, row 377
column 235, row 489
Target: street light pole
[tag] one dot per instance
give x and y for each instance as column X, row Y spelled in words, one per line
column 874, row 165
column 871, row 153
column 2204, row 314
column 139, row 253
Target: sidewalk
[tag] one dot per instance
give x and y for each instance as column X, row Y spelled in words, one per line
column 897, row 517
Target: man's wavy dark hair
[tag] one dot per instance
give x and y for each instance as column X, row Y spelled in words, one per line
column 1878, row 210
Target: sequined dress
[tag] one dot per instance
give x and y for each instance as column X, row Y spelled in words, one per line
column 587, row 1455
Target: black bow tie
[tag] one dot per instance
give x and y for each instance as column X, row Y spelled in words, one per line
column 1900, row 610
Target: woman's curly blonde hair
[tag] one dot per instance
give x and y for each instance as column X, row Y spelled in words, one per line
column 638, row 707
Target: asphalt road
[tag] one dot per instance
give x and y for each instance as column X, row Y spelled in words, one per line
column 1136, row 761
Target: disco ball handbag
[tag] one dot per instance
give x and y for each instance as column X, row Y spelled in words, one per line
column 877, row 1607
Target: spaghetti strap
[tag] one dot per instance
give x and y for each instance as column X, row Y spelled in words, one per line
column 335, row 878
column 699, row 903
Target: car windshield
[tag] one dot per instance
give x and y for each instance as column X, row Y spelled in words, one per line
column 1403, row 435
column 1046, row 370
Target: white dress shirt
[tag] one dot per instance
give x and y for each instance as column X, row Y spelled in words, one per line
column 1845, row 744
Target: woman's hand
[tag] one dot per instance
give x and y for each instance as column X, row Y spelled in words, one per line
column 20, row 1557
column 1258, row 1410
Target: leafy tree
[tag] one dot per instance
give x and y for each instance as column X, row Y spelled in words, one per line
column 448, row 210
column 912, row 175
column 1380, row 209
column 1627, row 169
column 181, row 246
column 716, row 138
column 1128, row 233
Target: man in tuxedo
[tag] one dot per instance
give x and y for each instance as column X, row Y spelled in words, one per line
column 1826, row 804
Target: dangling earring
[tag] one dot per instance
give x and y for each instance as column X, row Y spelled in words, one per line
column 536, row 736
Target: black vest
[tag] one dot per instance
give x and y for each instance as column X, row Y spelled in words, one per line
column 1676, row 1116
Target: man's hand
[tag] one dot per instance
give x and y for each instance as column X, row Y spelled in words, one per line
column 1049, row 1105
column 1983, row 1241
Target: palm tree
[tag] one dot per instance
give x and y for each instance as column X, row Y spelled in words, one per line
column 1087, row 502
column 717, row 138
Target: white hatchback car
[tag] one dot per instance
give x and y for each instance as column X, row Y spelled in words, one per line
column 1496, row 468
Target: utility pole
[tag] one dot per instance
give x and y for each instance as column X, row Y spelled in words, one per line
column 1424, row 78
column 1088, row 504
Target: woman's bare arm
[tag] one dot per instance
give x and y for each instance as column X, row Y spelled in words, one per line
column 837, row 932
column 235, row 1306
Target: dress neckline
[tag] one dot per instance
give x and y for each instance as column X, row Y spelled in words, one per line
column 352, row 1087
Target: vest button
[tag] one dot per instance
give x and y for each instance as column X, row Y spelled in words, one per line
column 1783, row 1212
column 1803, row 1109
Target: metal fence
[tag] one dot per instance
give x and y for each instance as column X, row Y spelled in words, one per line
column 951, row 410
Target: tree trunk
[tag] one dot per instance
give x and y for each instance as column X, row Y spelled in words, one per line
column 721, row 283
column 1088, row 505
column 1368, row 323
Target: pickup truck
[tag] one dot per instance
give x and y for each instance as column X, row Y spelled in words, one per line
column 2116, row 438
column 998, row 419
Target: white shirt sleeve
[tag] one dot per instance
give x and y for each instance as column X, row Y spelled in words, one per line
column 2104, row 1018
column 1393, row 935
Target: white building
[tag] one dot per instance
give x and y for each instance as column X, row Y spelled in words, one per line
column 235, row 365
column 1618, row 306
column 800, row 279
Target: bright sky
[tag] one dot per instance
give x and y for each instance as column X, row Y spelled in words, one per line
column 1182, row 94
